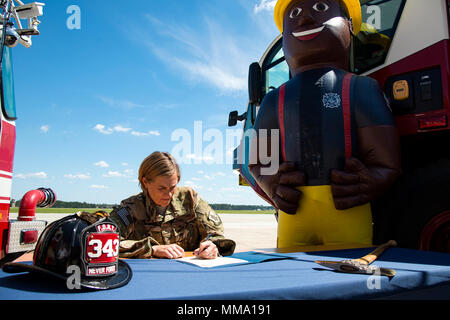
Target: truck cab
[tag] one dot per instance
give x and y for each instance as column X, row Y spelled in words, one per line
column 17, row 236
column 404, row 45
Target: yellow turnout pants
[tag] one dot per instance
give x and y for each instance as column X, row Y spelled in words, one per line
column 318, row 222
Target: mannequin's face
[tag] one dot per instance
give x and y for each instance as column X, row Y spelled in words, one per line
column 314, row 33
column 161, row 189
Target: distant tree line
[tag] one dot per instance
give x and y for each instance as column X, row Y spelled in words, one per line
column 219, row 206
column 75, row 204
column 225, row 206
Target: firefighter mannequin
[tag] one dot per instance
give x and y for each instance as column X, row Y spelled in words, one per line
column 339, row 148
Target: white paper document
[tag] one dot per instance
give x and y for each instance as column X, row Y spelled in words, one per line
column 209, row 263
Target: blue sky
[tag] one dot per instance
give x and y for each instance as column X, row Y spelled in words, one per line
column 93, row 102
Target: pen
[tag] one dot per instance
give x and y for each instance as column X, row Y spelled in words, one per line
column 206, row 239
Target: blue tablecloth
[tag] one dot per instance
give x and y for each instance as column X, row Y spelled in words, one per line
column 293, row 276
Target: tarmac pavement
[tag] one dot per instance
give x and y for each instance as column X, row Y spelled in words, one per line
column 249, row 231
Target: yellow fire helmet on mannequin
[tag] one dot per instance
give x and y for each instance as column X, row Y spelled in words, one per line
column 353, row 8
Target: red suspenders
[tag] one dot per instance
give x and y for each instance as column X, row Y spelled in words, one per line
column 281, row 119
column 347, row 115
column 345, row 111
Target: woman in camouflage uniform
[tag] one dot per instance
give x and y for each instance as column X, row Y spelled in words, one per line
column 165, row 220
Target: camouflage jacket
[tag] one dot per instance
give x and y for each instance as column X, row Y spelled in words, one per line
column 187, row 221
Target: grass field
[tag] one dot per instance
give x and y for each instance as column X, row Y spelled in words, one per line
column 61, row 210
column 73, row 210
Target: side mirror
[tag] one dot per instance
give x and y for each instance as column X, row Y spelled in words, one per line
column 234, row 117
column 255, row 83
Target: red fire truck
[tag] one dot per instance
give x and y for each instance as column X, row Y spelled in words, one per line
column 405, row 46
column 20, row 235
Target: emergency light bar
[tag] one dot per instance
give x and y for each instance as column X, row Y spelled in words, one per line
column 29, row 11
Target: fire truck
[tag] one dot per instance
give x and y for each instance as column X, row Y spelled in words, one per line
column 20, row 235
column 405, row 46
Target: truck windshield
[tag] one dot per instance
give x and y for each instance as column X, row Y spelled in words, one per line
column 275, row 70
column 7, row 88
column 380, row 19
column 278, row 73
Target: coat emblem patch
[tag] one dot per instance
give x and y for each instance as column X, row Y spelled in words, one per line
column 331, row 100
column 214, row 217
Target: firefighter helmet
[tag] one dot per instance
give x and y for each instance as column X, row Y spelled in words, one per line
column 75, row 244
column 353, row 9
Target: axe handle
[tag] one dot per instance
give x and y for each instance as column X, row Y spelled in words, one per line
column 371, row 257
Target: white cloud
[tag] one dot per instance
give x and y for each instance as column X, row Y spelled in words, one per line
column 101, row 128
column 214, row 175
column 264, row 5
column 197, row 157
column 45, row 128
column 118, row 128
column 39, row 175
column 127, row 173
column 215, row 74
column 192, row 185
column 81, row 176
column 113, row 174
column 143, row 134
column 101, row 164
column 138, row 134
column 202, row 55
column 96, row 186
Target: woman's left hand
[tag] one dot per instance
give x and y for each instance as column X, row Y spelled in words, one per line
column 207, row 250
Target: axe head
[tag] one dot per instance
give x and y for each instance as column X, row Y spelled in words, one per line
column 352, row 266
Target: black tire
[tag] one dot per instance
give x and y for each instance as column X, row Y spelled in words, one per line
column 409, row 206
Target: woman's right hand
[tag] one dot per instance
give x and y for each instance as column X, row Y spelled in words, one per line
column 169, row 251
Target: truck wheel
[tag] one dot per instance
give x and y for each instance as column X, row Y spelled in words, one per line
column 435, row 235
column 423, row 208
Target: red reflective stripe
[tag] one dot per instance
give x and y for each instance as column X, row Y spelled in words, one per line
column 347, row 115
column 7, row 143
column 281, row 119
